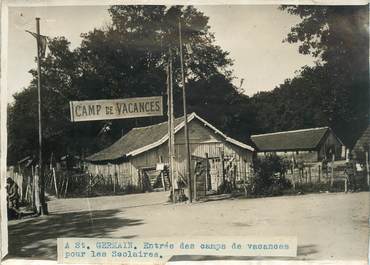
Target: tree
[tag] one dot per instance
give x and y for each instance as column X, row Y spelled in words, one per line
column 338, row 37
column 126, row 58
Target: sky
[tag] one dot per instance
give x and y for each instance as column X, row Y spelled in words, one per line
column 251, row 34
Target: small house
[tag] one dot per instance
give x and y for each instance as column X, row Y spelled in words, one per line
column 143, row 153
column 309, row 145
column 362, row 146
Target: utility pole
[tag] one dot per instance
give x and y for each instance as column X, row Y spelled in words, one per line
column 186, row 132
column 171, row 140
column 41, row 206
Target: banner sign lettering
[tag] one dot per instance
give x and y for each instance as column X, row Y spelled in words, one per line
column 92, row 110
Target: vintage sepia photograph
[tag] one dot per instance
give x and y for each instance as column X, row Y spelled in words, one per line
column 140, row 121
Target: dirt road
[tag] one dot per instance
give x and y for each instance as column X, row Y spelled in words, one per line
column 329, row 226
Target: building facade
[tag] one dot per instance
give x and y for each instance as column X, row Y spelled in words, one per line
column 144, row 152
column 308, row 145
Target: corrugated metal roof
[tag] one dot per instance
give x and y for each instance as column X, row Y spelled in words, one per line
column 141, row 139
column 305, row 139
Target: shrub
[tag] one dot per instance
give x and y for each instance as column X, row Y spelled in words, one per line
column 269, row 176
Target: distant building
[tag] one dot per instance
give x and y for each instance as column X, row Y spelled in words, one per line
column 143, row 153
column 362, row 145
column 310, row 145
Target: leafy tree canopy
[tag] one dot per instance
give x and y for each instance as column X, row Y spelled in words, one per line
column 335, row 91
column 126, row 58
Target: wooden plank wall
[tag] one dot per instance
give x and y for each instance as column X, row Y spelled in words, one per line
column 202, row 140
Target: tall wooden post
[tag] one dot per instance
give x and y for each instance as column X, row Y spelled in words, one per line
column 41, row 206
column 186, row 132
column 195, row 185
column 207, row 172
column 367, row 166
column 55, row 183
column 222, row 167
column 332, row 170
column 171, row 139
column 162, row 175
column 293, row 175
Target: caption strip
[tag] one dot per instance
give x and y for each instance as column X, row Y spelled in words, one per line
column 109, row 250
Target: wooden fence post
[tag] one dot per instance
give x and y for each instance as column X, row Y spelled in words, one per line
column 222, row 167
column 235, row 175
column 55, row 183
column 114, row 183
column 66, row 189
column 162, row 174
column 207, row 169
column 293, row 175
column 332, row 171
column 367, row 167
column 195, row 183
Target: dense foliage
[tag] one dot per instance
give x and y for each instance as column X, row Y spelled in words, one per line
column 127, row 58
column 269, row 176
column 335, row 92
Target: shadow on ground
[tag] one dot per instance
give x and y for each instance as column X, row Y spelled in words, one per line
column 302, row 252
column 37, row 237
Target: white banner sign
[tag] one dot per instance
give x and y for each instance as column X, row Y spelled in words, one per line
column 109, row 109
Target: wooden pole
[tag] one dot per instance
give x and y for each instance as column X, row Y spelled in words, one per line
column 37, row 190
column 186, row 132
column 170, row 125
column 41, row 206
column 235, row 175
column 293, row 175
column 173, row 150
column 332, row 171
column 66, row 188
column 195, row 184
column 32, row 187
column 207, row 172
column 162, row 175
column 55, row 183
column 114, row 183
column 222, row 167
column 367, row 166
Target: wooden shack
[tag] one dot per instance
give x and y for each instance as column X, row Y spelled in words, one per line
column 362, row 146
column 308, row 145
column 144, row 152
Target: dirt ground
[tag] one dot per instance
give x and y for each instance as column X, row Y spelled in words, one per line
column 329, row 226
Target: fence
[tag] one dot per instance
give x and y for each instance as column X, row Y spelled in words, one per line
column 338, row 174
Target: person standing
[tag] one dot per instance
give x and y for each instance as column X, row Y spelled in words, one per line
column 13, row 199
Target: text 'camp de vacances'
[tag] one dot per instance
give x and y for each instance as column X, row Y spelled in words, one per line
column 116, row 108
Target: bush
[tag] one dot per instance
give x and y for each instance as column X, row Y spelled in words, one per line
column 269, row 176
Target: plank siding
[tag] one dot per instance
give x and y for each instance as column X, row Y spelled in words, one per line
column 202, row 140
column 329, row 142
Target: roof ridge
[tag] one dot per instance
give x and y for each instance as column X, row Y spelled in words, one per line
column 291, row 131
column 147, row 126
column 156, row 124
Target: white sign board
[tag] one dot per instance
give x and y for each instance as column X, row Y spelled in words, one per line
column 109, row 109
